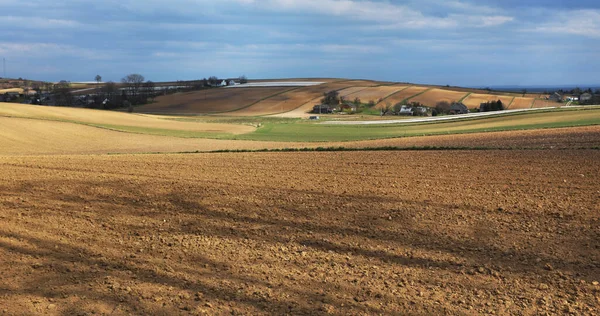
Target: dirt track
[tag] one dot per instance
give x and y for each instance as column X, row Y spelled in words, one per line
column 302, row 233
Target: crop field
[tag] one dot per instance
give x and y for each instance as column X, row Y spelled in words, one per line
column 209, row 101
column 432, row 97
column 521, row 103
column 19, row 90
column 436, row 232
column 474, row 100
column 295, row 103
column 374, row 93
column 404, row 94
column 323, row 132
column 545, row 103
column 115, row 120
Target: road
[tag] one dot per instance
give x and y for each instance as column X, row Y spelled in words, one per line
column 434, row 118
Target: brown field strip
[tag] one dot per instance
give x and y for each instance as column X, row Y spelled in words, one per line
column 432, row 97
column 210, row 100
column 284, row 233
column 474, row 100
column 521, row 103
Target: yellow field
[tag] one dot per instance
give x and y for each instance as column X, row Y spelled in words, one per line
column 475, row 99
column 99, row 117
column 433, row 96
column 19, row 90
column 521, row 103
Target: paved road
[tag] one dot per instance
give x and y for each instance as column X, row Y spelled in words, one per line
column 434, row 118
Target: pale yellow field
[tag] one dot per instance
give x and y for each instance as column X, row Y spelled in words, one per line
column 20, row 136
column 475, row 99
column 115, row 118
column 433, row 96
column 19, row 90
column 521, row 103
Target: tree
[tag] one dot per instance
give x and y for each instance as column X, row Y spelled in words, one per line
column 356, row 101
column 442, row 107
column 109, row 91
column 386, row 108
column 62, row 93
column 133, row 82
column 98, row 79
column 213, row 80
column 149, row 89
column 524, row 91
column 243, row 79
column 397, row 108
column 331, row 98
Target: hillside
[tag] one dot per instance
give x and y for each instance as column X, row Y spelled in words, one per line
column 299, row 101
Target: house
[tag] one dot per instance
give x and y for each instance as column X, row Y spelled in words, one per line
column 573, row 98
column 556, row 97
column 348, row 107
column 458, row 108
column 232, row 83
column 223, row 83
column 322, row 108
column 406, row 110
column 585, row 97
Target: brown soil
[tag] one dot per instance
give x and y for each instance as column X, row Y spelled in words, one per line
column 209, row 101
column 492, row 232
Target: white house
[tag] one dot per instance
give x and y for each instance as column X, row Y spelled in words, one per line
column 223, row 83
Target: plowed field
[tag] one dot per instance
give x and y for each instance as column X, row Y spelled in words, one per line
column 521, row 103
column 502, row 232
column 209, row 101
column 474, row 100
column 432, row 97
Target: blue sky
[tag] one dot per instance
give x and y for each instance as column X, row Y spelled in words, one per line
column 456, row 42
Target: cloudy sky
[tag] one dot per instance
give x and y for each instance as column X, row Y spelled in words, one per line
column 457, row 42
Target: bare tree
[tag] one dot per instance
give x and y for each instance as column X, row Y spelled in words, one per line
column 243, row 79
column 109, row 91
column 386, row 108
column 98, row 79
column 149, row 89
column 133, row 82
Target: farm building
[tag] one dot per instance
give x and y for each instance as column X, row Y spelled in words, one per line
column 557, row 97
column 585, row 97
column 322, row 108
column 458, row 108
column 232, row 83
column 348, row 107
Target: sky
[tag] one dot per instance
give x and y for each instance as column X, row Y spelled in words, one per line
column 456, row 42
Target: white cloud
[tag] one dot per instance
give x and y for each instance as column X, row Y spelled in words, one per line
column 577, row 22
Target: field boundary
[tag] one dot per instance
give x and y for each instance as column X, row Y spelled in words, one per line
column 511, row 102
column 392, row 94
column 465, row 97
column 416, row 95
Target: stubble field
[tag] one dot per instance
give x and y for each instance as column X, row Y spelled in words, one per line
column 460, row 232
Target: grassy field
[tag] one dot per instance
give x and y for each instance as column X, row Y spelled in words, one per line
column 304, row 131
